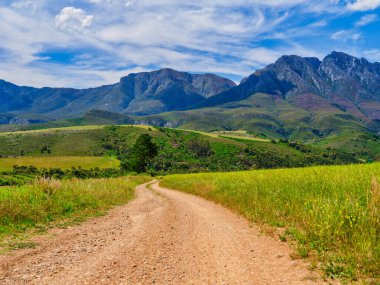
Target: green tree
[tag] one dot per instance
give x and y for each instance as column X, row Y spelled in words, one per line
column 143, row 151
column 199, row 147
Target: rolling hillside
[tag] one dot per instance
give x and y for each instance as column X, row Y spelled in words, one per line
column 178, row 151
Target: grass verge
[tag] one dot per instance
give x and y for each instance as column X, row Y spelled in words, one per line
column 48, row 202
column 333, row 213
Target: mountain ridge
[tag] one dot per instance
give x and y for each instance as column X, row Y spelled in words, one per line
column 138, row 94
column 293, row 75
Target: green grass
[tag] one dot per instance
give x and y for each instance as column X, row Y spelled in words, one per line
column 47, row 202
column 70, row 128
column 63, row 162
column 18, row 179
column 353, row 141
column 333, row 213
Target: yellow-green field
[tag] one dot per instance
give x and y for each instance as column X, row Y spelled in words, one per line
column 228, row 134
column 240, row 134
column 48, row 202
column 333, row 213
column 63, row 162
column 73, row 128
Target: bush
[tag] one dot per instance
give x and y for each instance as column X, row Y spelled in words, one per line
column 200, row 148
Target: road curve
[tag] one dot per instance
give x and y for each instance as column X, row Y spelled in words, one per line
column 161, row 237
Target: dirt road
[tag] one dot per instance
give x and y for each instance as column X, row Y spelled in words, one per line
column 162, row 237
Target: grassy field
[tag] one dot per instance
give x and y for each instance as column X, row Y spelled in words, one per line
column 240, row 134
column 48, row 202
column 73, row 128
column 331, row 213
column 69, row 128
column 63, row 162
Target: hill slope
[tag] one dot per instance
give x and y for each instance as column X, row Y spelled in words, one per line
column 178, row 151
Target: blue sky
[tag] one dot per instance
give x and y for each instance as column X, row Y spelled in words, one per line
column 86, row 43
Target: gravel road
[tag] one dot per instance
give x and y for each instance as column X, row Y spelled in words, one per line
column 161, row 237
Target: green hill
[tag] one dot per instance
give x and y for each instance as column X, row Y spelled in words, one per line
column 179, row 151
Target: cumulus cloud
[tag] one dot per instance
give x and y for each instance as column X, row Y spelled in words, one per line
column 73, row 19
column 363, row 5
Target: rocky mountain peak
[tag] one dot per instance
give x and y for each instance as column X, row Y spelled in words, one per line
column 349, row 64
column 153, row 83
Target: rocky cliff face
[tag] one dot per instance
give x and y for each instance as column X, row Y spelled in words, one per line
column 353, row 78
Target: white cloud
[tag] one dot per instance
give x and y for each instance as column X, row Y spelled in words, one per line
column 73, row 19
column 216, row 36
column 363, row 5
column 129, row 3
column 366, row 20
column 126, row 2
column 345, row 35
column 24, row 4
column 373, row 54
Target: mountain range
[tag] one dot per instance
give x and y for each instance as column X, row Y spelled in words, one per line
column 136, row 94
column 340, row 80
column 296, row 97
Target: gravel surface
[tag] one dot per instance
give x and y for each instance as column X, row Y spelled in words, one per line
column 161, row 237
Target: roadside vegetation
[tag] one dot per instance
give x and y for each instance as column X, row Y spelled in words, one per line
column 48, row 202
column 331, row 214
column 21, row 175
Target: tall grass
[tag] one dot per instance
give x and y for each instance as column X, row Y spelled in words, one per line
column 331, row 211
column 63, row 162
column 47, row 201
